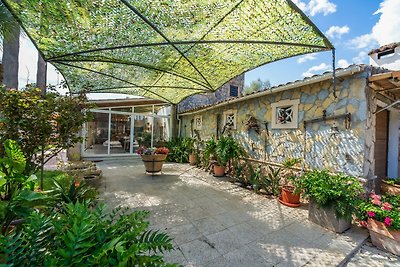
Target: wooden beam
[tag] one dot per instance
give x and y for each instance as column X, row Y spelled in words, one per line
column 381, row 76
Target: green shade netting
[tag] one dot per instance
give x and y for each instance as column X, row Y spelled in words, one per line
column 166, row 50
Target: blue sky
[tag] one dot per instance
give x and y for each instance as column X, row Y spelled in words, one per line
column 353, row 26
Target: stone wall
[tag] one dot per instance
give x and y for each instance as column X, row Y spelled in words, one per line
column 325, row 144
column 209, row 98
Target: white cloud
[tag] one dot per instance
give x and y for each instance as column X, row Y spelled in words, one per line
column 315, row 7
column 362, row 41
column 386, row 30
column 321, row 6
column 337, row 31
column 319, row 68
column 343, row 63
column 361, row 58
column 306, row 58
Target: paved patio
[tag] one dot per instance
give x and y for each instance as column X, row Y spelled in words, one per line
column 216, row 223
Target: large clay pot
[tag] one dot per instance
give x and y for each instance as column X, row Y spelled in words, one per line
column 219, row 170
column 153, row 163
column 390, row 189
column 192, row 159
column 383, row 237
column 288, row 198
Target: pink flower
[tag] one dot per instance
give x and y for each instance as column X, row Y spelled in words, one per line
column 386, row 206
column 372, row 195
column 376, row 202
column 388, row 221
column 371, row 214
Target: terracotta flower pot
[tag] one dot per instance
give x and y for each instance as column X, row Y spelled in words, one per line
column 153, row 163
column 288, row 198
column 390, row 189
column 384, row 238
column 219, row 170
column 192, row 159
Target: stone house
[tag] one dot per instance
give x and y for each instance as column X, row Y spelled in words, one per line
column 334, row 129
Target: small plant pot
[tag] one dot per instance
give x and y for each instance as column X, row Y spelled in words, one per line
column 219, row 171
column 153, row 163
column 287, row 197
column 192, row 159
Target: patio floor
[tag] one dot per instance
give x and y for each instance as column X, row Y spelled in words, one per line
column 216, row 223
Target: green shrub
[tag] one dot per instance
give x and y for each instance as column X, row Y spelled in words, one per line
column 339, row 190
column 179, row 149
column 82, row 236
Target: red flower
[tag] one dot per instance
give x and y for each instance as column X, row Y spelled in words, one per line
column 387, row 206
column 372, row 195
column 388, row 221
column 376, row 201
column 371, row 214
column 364, row 224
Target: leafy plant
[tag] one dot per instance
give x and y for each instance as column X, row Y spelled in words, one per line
column 12, row 168
column 273, row 180
column 392, row 181
column 226, row 149
column 41, row 125
column 179, row 148
column 82, row 236
column 339, row 190
column 209, row 151
column 75, row 192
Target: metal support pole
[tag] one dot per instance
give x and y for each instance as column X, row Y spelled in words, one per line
column 334, row 72
column 109, row 132
column 132, row 135
column 152, row 129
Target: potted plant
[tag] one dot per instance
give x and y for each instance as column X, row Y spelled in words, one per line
column 209, row 152
column 290, row 191
column 226, row 149
column 333, row 198
column 153, row 158
column 381, row 215
column 192, row 151
column 391, row 186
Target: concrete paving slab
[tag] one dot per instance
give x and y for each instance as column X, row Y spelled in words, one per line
column 216, row 223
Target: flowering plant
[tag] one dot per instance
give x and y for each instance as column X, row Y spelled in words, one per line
column 152, row 151
column 385, row 209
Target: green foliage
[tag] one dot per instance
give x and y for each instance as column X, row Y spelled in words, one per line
column 227, row 148
column 339, row 190
column 256, row 86
column 82, row 236
column 74, row 192
column 393, row 181
column 12, row 168
column 209, row 151
column 49, row 123
column 60, row 177
column 273, row 180
column 22, row 203
column 179, row 149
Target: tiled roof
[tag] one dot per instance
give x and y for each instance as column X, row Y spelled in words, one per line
column 384, row 48
column 338, row 71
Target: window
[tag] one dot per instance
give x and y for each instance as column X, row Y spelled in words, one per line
column 233, row 90
column 230, row 119
column 285, row 114
column 198, row 122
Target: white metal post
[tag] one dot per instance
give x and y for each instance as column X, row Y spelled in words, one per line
column 132, row 135
column 152, row 129
column 109, row 132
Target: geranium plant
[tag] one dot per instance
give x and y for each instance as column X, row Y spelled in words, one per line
column 385, row 209
column 152, row 151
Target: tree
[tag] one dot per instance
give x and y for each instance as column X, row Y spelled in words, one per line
column 256, row 86
column 10, row 32
column 42, row 125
